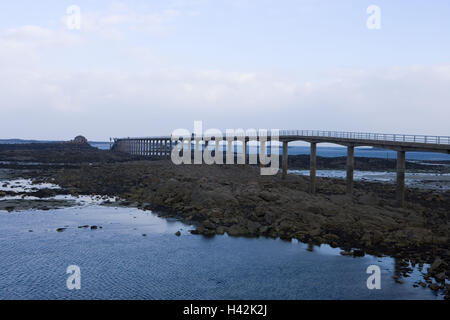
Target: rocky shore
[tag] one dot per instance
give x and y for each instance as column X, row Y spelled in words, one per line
column 237, row 200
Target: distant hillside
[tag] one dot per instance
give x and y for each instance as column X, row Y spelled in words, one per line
column 97, row 144
column 21, row 141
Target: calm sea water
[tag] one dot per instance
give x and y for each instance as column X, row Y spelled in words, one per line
column 118, row 262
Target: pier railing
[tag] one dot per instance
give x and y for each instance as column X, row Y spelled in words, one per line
column 362, row 136
column 368, row 136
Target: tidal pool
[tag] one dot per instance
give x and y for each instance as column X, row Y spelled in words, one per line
column 136, row 255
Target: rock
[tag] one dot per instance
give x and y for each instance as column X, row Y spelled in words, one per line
column 220, row 230
column 268, row 196
column 79, row 140
column 60, row 229
column 144, row 235
column 422, row 284
column 236, row 230
column 84, row 227
column 358, row 253
column 434, row 286
column 10, row 209
column 94, row 227
column 437, row 266
column 208, row 224
column 178, row 233
column 346, row 253
column 2, row 194
column 369, row 199
column 440, row 277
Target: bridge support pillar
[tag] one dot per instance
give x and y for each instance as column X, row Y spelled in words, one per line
column 350, row 168
column 166, row 153
column 229, row 158
column 401, row 168
column 285, row 159
column 159, row 147
column 312, row 168
column 244, row 151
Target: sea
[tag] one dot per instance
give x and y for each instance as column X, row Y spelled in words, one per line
column 135, row 254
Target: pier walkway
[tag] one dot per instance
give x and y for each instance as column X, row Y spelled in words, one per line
column 161, row 146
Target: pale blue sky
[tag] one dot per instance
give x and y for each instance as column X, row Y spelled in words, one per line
column 148, row 67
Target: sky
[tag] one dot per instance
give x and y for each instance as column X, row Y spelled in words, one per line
column 142, row 68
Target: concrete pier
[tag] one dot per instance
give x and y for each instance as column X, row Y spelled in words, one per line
column 399, row 142
column 312, row 168
column 401, row 168
column 350, row 168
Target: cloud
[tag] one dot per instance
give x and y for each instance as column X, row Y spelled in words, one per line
column 116, row 21
column 147, row 92
column 36, row 36
column 404, row 100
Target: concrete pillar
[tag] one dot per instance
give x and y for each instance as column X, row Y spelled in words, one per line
column 312, row 168
column 350, row 168
column 401, row 168
column 285, row 159
column 244, row 151
column 262, row 148
column 230, row 152
column 165, row 149
column 159, row 148
column 152, row 147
